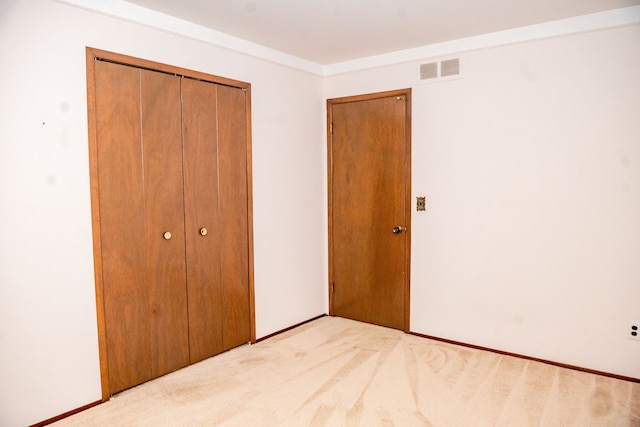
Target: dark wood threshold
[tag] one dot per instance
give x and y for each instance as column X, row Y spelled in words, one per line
column 66, row 414
column 289, row 328
column 535, row 359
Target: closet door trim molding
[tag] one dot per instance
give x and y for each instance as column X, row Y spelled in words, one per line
column 93, row 55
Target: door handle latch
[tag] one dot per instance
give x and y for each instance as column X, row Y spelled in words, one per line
column 398, row 229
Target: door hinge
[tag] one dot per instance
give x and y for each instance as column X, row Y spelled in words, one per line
column 331, row 128
column 333, row 288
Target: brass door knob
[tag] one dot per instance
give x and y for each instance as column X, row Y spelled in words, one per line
column 203, row 231
column 167, row 235
column 398, row 229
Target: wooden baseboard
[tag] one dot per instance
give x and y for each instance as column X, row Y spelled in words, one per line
column 289, row 328
column 477, row 347
column 66, row 414
column 535, row 359
column 90, row 405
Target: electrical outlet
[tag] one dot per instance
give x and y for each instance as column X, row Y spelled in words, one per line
column 634, row 330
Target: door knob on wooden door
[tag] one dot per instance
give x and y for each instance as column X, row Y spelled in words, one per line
column 203, row 231
column 167, row 235
column 398, row 229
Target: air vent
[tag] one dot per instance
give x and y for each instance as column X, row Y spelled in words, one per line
column 442, row 70
column 450, row 67
column 429, row 71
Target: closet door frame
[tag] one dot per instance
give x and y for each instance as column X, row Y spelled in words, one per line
column 92, row 55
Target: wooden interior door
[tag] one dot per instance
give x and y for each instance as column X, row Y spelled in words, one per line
column 140, row 180
column 369, row 202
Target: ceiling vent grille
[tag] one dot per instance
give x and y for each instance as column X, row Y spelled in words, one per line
column 437, row 71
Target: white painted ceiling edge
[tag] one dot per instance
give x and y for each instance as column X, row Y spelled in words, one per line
column 151, row 18
column 591, row 22
column 141, row 15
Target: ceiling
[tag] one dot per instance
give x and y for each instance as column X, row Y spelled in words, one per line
column 333, row 31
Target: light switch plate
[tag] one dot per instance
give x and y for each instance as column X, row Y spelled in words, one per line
column 421, row 203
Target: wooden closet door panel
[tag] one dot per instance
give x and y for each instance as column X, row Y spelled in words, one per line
column 122, row 224
column 199, row 130
column 233, row 193
column 164, row 211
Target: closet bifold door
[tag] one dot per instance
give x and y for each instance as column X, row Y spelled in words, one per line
column 164, row 210
column 122, row 225
column 233, row 190
column 216, row 206
column 139, row 150
column 170, row 163
column 202, row 220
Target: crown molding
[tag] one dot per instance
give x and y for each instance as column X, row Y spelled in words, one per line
column 140, row 15
column 133, row 13
column 579, row 24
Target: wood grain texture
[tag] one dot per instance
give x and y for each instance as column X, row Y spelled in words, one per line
column 368, row 188
column 165, row 68
column 95, row 216
column 249, row 169
column 234, row 235
column 164, row 211
column 200, row 134
column 147, row 114
column 122, row 225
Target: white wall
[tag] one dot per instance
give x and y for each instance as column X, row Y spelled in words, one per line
column 531, row 168
column 48, row 339
column 530, row 165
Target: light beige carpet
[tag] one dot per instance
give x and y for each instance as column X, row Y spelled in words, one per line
column 338, row 372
